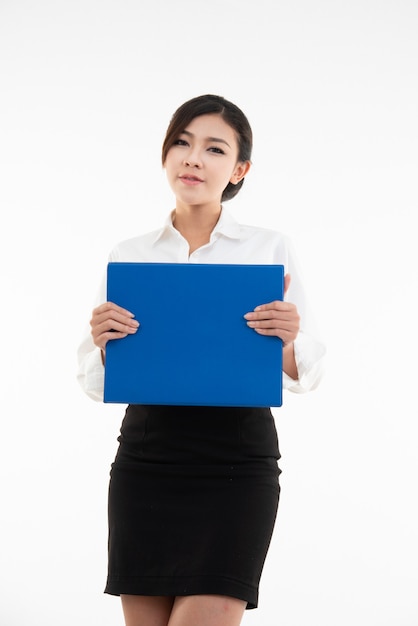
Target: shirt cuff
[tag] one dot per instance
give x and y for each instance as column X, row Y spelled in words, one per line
column 91, row 375
column 309, row 355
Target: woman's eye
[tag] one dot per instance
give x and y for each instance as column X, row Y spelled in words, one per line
column 180, row 142
column 216, row 150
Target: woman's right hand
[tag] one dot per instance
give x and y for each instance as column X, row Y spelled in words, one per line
column 110, row 321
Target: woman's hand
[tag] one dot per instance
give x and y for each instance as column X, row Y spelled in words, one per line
column 110, row 321
column 278, row 319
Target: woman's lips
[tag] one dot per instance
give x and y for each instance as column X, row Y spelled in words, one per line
column 190, row 180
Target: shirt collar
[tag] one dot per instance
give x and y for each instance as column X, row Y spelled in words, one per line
column 226, row 226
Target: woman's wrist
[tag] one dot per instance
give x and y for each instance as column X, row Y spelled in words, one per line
column 289, row 361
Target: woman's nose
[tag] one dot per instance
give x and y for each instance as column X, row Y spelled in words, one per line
column 193, row 159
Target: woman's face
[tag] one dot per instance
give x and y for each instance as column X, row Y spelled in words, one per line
column 203, row 160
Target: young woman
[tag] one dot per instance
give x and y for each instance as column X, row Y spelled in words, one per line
column 194, row 490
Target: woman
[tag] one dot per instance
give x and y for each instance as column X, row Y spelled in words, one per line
column 194, row 490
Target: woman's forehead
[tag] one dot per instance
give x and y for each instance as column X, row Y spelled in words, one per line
column 211, row 127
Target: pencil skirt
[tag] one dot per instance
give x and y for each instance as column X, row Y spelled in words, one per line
column 193, row 499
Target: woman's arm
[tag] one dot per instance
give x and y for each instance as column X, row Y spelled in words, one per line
column 279, row 319
column 109, row 321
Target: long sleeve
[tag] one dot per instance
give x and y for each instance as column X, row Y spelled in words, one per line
column 90, row 369
column 309, row 353
column 309, row 348
column 90, row 374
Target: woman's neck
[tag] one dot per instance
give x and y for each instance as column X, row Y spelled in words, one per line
column 195, row 225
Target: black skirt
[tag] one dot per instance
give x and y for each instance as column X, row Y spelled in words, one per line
column 193, row 500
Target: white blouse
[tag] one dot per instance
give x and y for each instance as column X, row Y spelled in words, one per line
column 230, row 242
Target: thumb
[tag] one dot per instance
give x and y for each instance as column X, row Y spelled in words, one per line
column 287, row 279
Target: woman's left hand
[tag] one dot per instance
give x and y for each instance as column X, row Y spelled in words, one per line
column 277, row 319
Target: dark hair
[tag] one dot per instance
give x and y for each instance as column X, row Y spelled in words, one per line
column 230, row 113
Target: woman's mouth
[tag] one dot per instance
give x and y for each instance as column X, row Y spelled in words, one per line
column 190, row 180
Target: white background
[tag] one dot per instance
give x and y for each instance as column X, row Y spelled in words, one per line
column 330, row 88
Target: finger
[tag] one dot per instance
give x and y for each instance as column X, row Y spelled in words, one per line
column 277, row 308
column 115, row 322
column 114, row 326
column 112, row 306
column 269, row 332
column 111, row 335
column 286, row 332
column 102, row 340
column 278, row 305
column 274, row 323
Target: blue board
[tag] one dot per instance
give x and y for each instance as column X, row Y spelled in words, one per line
column 193, row 346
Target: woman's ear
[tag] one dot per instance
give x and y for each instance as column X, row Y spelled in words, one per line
column 240, row 171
